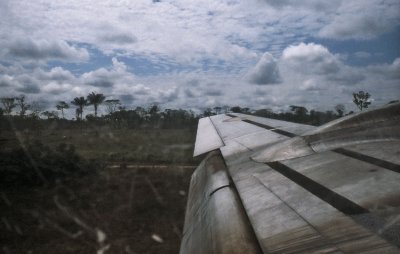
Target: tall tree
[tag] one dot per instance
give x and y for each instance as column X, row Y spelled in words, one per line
column 264, row 112
column 217, row 110
column 153, row 109
column 153, row 113
column 80, row 102
column 340, row 109
column 141, row 112
column 95, row 99
column 299, row 110
column 36, row 108
column 225, row 109
column 8, row 104
column 361, row 99
column 78, row 113
column 236, row 109
column 23, row 106
column 112, row 105
column 50, row 114
column 208, row 112
column 61, row 106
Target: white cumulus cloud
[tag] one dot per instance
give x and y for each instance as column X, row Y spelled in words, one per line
column 43, row 49
column 265, row 72
column 310, row 58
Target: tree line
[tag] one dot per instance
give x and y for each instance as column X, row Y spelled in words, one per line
column 154, row 117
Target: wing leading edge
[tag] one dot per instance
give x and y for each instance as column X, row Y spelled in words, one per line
column 345, row 200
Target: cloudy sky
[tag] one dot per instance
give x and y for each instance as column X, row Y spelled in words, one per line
column 201, row 53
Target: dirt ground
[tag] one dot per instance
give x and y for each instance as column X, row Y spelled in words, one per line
column 118, row 210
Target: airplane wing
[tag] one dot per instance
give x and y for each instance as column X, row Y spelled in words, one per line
column 270, row 186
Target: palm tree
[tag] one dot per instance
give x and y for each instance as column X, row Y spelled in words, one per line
column 95, row 99
column 78, row 112
column 80, row 102
column 61, row 106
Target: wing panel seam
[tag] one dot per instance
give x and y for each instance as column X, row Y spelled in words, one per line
column 298, row 214
column 217, row 130
column 366, row 158
column 341, row 203
column 355, row 155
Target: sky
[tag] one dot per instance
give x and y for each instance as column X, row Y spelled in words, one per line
column 195, row 54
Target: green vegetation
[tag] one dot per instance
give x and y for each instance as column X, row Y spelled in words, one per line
column 35, row 164
column 80, row 102
column 153, row 117
column 147, row 146
column 95, row 99
column 55, row 198
column 61, row 106
column 361, row 99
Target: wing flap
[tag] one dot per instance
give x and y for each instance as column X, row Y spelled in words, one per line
column 207, row 138
column 336, row 228
column 215, row 221
column 289, row 219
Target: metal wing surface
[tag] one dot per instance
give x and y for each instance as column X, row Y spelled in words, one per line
column 270, row 186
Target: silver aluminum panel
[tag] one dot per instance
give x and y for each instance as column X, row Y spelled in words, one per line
column 339, row 230
column 388, row 151
column 295, row 128
column 215, row 221
column 284, row 215
column 207, row 138
column 259, row 139
column 361, row 182
column 229, row 128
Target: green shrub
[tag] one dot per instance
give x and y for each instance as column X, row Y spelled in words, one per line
column 39, row 165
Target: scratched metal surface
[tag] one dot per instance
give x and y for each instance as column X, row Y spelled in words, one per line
column 229, row 128
column 296, row 128
column 388, row 151
column 335, row 229
column 362, row 128
column 215, row 221
column 207, row 138
column 289, row 219
column 299, row 205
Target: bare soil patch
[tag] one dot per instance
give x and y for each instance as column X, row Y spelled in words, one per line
column 118, row 210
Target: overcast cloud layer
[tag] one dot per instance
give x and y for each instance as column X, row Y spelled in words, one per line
column 201, row 53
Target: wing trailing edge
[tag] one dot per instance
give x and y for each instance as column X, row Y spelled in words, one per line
column 207, row 138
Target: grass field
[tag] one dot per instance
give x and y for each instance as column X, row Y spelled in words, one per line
column 127, row 209
column 132, row 145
